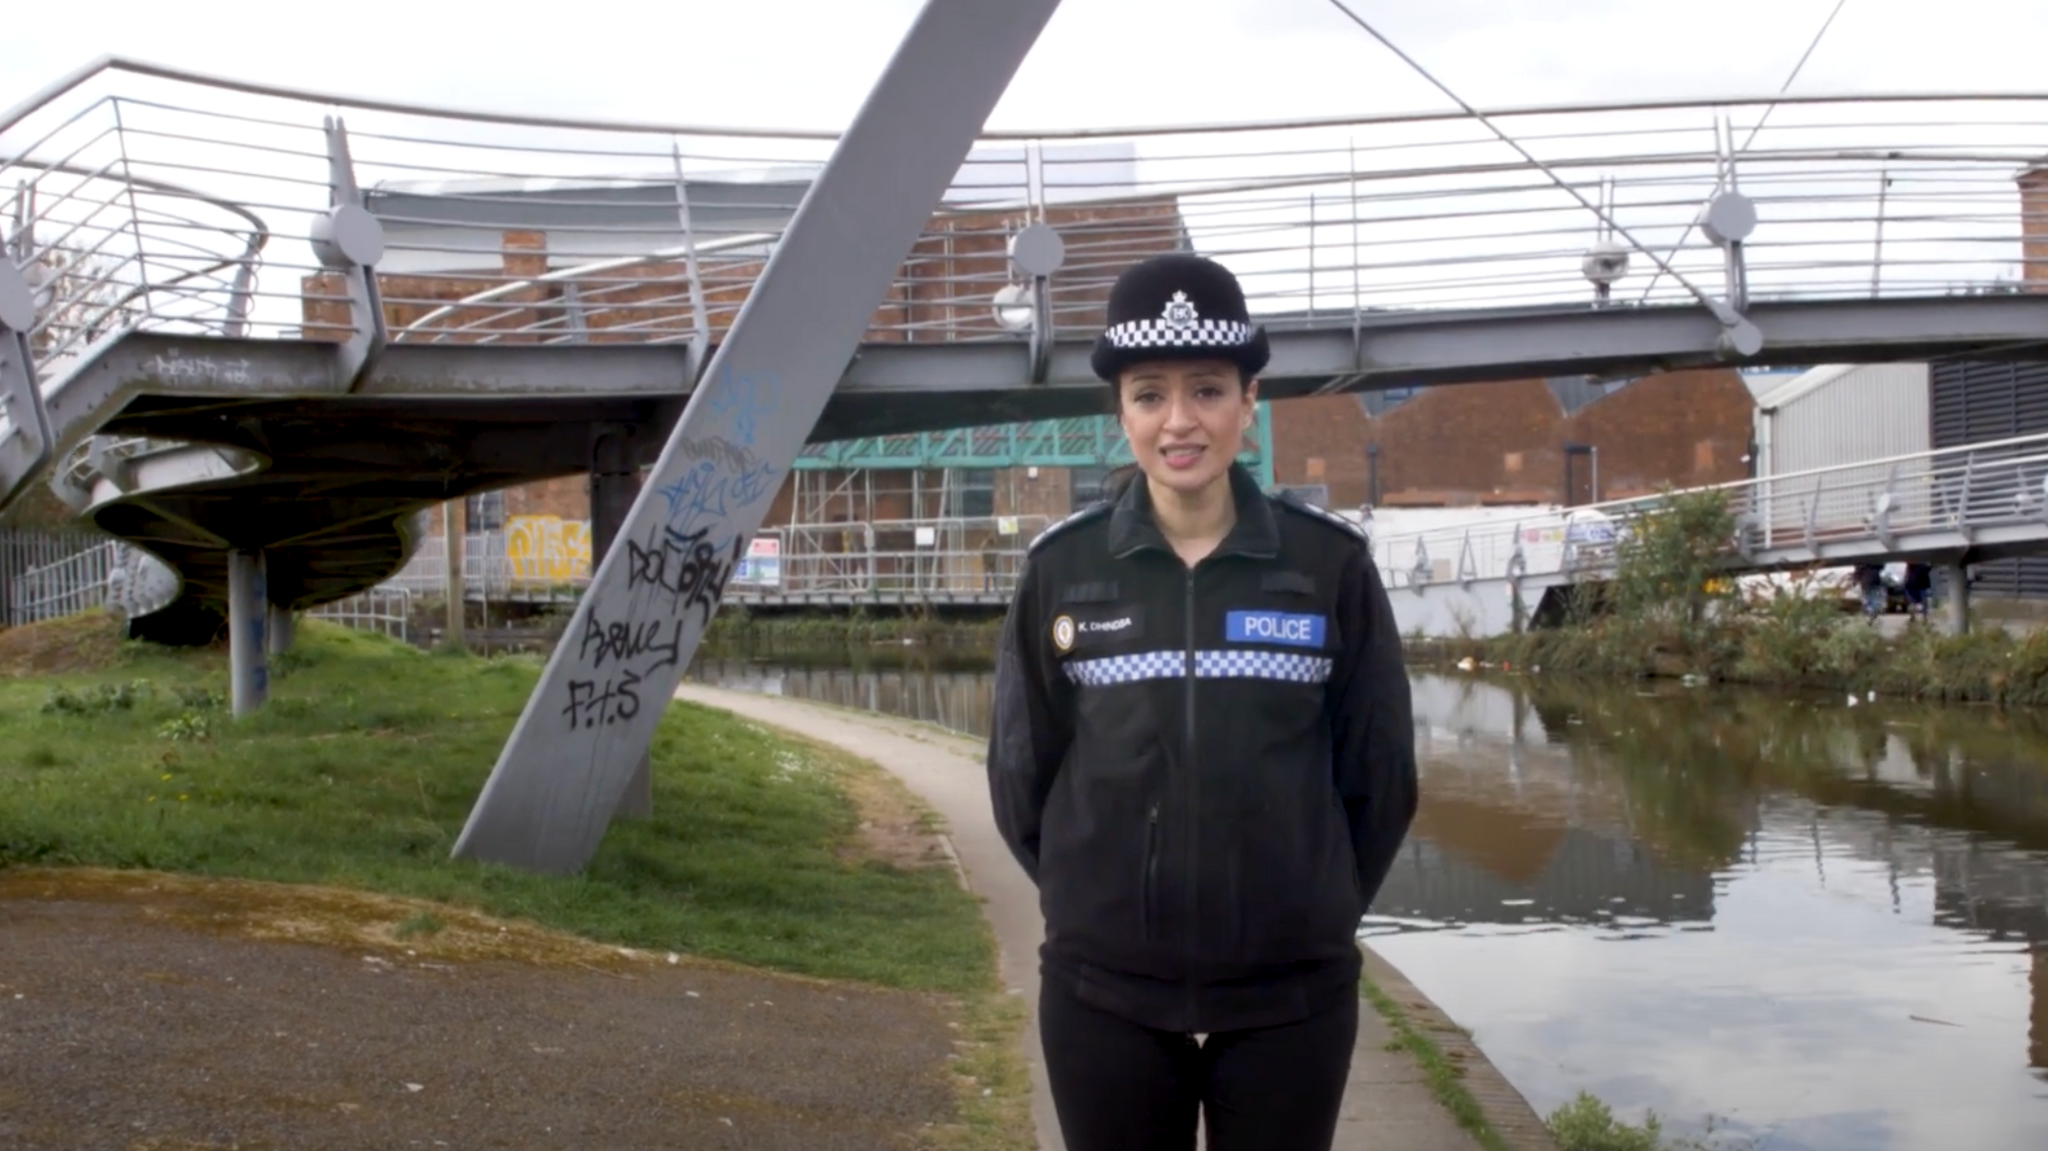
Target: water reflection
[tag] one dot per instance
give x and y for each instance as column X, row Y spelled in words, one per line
column 949, row 690
column 1827, row 924
column 1837, row 916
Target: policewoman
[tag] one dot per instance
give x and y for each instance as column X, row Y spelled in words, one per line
column 1202, row 753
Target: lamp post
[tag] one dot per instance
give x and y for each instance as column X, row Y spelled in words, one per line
column 1036, row 252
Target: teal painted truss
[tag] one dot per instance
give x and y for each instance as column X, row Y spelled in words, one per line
column 1080, row 442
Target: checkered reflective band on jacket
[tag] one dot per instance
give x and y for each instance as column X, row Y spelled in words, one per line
column 1240, row 664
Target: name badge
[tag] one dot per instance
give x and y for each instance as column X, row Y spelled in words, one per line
column 1274, row 627
column 1084, row 626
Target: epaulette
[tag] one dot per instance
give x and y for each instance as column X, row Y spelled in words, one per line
column 1097, row 508
column 1293, row 502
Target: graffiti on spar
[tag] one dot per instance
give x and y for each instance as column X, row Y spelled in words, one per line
column 550, row 549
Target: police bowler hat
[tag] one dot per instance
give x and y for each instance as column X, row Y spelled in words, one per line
column 1178, row 306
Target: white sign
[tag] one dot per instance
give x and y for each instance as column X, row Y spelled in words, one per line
column 763, row 562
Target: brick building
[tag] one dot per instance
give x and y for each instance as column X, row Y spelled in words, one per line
column 1517, row 441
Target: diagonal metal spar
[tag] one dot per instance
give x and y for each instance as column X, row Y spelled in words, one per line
column 593, row 715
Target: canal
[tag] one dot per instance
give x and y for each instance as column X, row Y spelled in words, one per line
column 1825, row 924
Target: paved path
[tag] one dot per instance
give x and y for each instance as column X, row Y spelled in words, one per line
column 1388, row 1107
column 150, row 1012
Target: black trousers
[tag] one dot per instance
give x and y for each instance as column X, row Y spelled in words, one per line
column 1121, row 1087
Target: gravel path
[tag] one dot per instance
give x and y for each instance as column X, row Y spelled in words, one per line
column 132, row 1020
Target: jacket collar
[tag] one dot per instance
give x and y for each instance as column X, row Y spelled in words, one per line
column 1133, row 529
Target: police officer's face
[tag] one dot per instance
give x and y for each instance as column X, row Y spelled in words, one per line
column 1185, row 419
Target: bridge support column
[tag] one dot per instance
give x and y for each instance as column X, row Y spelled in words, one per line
column 1955, row 608
column 557, row 784
column 248, row 621
column 282, row 630
column 614, row 484
column 454, row 531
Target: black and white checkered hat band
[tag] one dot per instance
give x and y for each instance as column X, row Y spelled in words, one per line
column 1158, row 333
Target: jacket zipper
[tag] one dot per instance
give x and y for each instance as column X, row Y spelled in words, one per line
column 1192, row 810
column 1149, row 882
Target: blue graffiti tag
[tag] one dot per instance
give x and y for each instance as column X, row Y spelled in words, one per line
column 701, row 493
column 752, row 484
column 744, row 397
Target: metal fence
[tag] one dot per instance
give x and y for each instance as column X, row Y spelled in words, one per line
column 1860, row 510
column 24, row 552
column 905, row 560
column 45, row 575
column 494, row 570
column 898, row 561
column 66, row 586
column 385, row 609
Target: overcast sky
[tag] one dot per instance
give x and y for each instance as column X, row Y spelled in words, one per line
column 807, row 63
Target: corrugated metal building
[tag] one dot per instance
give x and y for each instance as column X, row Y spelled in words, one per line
column 1832, row 415
column 1973, row 401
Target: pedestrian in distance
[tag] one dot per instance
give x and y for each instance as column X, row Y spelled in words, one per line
column 1918, row 585
column 1870, row 582
column 1203, row 755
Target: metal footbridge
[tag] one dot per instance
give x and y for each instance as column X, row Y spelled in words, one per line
column 210, row 370
column 1950, row 507
column 256, row 331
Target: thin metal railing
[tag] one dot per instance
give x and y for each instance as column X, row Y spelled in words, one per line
column 385, row 609
column 68, row 573
column 952, row 558
column 1862, row 510
column 179, row 201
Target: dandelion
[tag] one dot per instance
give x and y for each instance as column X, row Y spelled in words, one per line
column 183, row 798
column 164, row 776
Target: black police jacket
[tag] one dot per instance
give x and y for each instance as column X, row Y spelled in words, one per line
column 1206, row 771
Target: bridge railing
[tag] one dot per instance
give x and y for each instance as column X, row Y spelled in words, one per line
column 936, row 560
column 1943, row 498
column 83, row 575
column 141, row 197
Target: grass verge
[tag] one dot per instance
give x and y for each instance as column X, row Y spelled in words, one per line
column 363, row 767
column 1446, row 1080
column 763, row 850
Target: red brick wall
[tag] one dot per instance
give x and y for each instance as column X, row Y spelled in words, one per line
column 1504, row 442
column 1326, row 434
column 2033, row 185
column 1683, row 428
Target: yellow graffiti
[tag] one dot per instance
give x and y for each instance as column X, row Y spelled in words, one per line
column 547, row 547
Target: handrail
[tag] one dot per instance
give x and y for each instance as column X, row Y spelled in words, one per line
column 1635, row 503
column 259, row 230
column 77, row 77
column 1959, row 489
